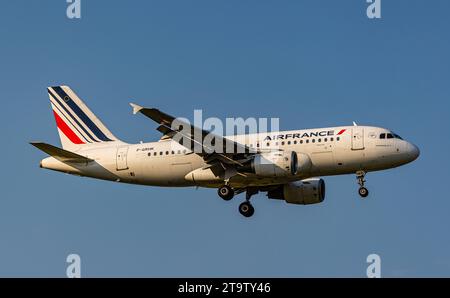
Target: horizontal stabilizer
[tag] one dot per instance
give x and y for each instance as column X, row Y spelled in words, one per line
column 61, row 154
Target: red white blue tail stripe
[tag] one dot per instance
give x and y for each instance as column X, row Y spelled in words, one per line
column 75, row 120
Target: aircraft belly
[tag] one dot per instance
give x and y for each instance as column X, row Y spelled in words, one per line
column 165, row 171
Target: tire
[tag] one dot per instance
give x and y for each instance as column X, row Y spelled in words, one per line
column 246, row 209
column 363, row 192
column 226, row 192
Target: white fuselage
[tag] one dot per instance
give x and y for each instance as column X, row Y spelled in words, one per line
column 332, row 151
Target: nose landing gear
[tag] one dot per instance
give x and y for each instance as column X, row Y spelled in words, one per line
column 363, row 192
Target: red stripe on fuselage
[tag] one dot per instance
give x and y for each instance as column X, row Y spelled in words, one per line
column 341, row 132
column 66, row 130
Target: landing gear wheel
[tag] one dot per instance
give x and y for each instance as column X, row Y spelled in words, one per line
column 363, row 192
column 226, row 192
column 246, row 209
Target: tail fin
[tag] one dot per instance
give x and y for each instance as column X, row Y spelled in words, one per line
column 76, row 123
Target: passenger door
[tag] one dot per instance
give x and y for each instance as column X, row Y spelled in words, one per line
column 357, row 138
column 121, row 158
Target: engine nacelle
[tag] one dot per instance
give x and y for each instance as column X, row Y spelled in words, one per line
column 273, row 164
column 278, row 164
column 304, row 192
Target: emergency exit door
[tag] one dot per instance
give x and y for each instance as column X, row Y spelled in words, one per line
column 357, row 138
column 121, row 158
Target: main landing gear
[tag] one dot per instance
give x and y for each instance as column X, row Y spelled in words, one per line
column 363, row 192
column 245, row 208
column 226, row 192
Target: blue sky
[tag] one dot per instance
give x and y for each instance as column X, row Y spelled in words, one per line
column 310, row 63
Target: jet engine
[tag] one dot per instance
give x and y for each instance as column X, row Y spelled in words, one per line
column 304, row 192
column 273, row 164
column 278, row 164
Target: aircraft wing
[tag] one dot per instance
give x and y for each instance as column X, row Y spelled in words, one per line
column 193, row 137
column 61, row 154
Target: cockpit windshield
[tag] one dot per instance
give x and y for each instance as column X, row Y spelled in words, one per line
column 390, row 135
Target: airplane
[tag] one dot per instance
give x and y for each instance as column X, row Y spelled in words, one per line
column 287, row 165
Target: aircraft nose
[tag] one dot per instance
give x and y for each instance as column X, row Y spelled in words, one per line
column 413, row 151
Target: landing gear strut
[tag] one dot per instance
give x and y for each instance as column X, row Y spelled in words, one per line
column 246, row 208
column 226, row 192
column 363, row 192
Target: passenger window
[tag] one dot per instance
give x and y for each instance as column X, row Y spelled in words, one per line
column 173, row 152
column 331, row 139
column 282, row 143
column 184, row 151
column 338, row 138
column 289, row 142
column 313, row 140
column 383, row 136
column 307, row 141
column 179, row 152
column 167, row 152
column 301, row 141
column 319, row 140
column 325, row 140
column 160, row 153
column 149, row 154
column 155, row 153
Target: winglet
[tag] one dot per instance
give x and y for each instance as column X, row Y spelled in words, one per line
column 136, row 108
column 354, row 123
